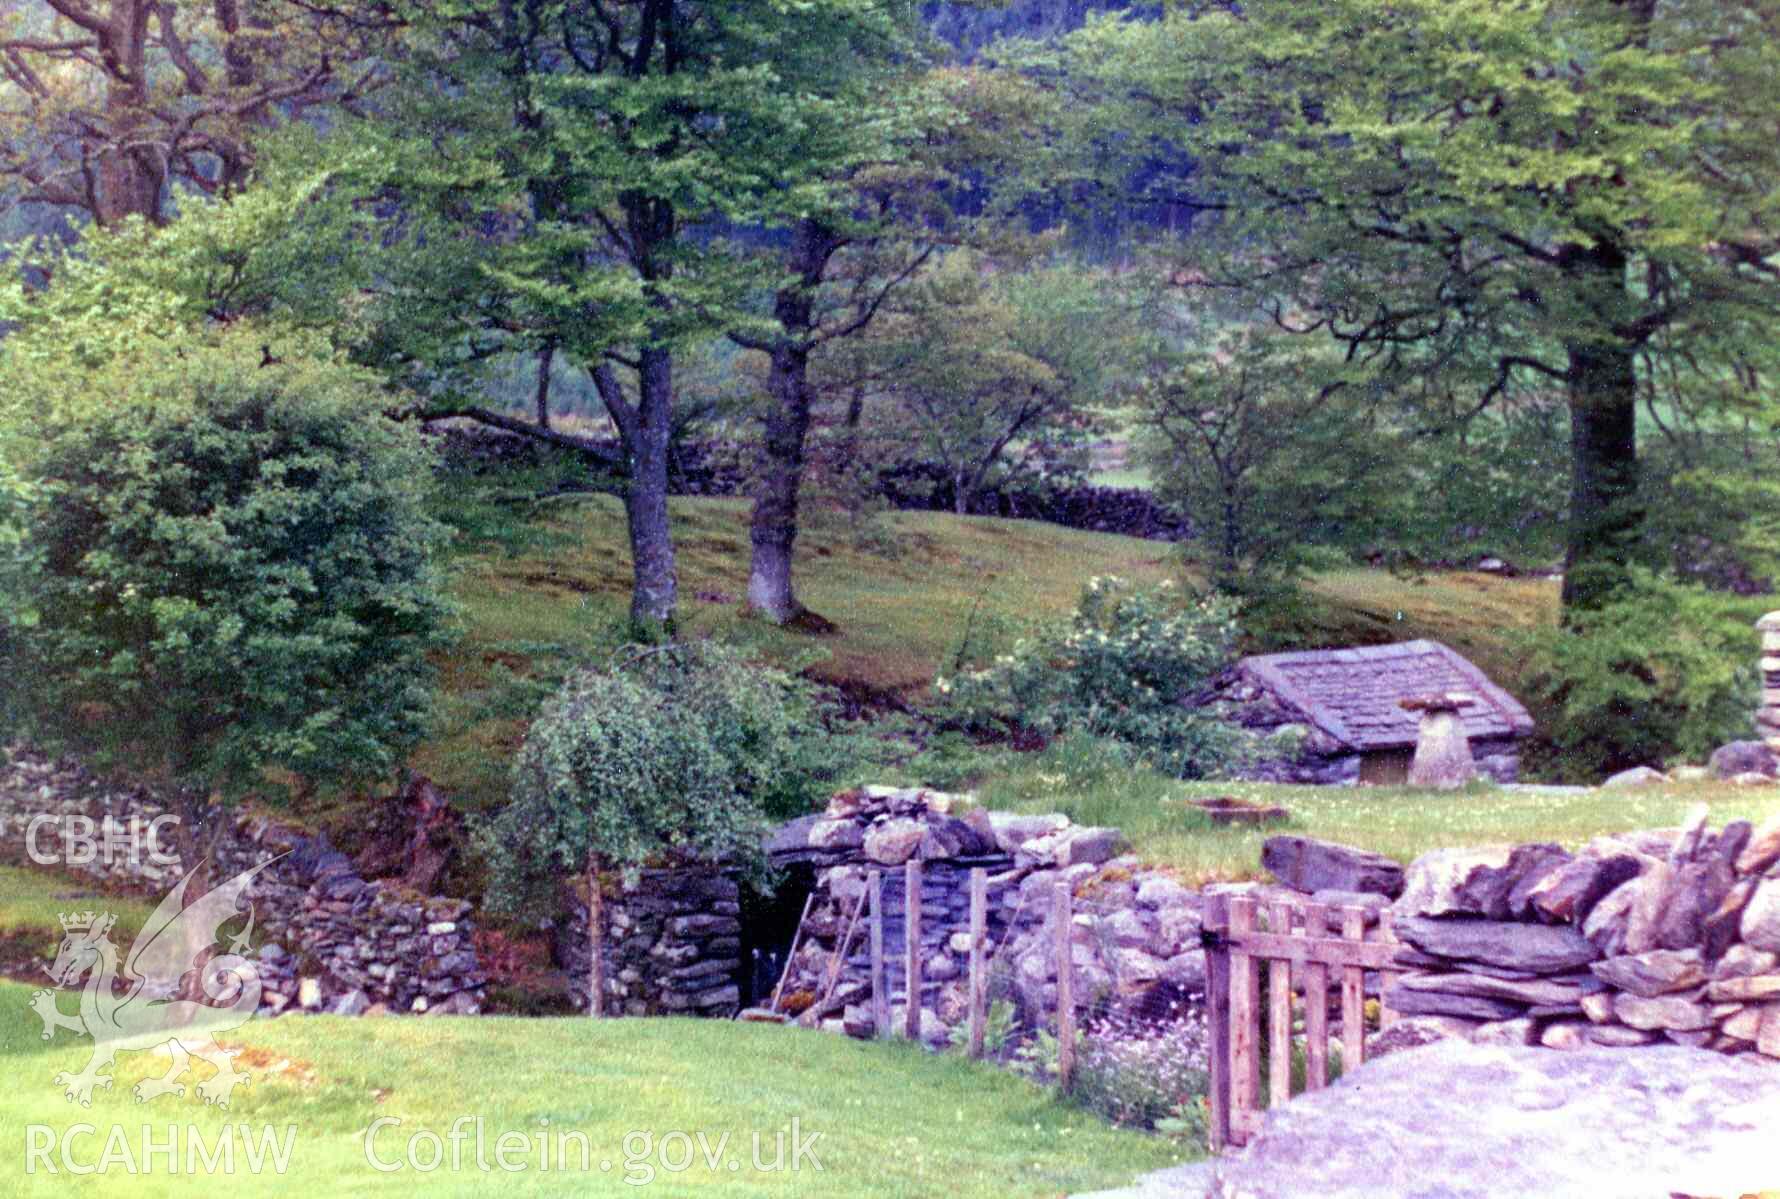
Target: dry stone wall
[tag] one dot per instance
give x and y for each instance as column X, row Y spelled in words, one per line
column 672, row 943
column 1665, row 936
column 330, row 940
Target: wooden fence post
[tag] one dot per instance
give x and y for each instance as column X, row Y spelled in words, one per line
column 1316, row 1004
column 979, row 932
column 880, row 996
column 1217, row 1015
column 1353, row 994
column 1279, row 987
column 1245, row 1011
column 1065, row 988
column 911, row 932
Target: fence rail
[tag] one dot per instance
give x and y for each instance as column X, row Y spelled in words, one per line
column 1298, row 945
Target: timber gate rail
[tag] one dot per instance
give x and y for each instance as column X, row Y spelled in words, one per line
column 1308, row 948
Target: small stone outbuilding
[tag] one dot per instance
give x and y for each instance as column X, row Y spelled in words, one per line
column 1346, row 705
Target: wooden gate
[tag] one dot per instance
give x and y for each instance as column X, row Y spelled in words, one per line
column 1300, row 943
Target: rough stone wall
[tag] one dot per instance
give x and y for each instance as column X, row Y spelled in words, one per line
column 1135, row 940
column 331, row 940
column 1671, row 935
column 672, row 943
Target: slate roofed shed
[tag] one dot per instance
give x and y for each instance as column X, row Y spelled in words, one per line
column 1349, row 699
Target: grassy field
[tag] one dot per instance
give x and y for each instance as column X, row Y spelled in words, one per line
column 1397, row 821
column 893, row 1120
column 31, row 899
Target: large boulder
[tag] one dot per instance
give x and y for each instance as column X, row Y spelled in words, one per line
column 1743, row 757
column 1464, row 1121
column 1307, row 864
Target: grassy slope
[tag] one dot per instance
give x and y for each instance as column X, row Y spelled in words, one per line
column 32, row 899
column 895, row 1121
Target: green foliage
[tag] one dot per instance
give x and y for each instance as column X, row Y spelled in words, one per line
column 685, row 749
column 1665, row 669
column 236, row 565
column 1116, row 670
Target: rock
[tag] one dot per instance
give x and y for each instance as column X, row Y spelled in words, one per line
column 836, row 834
column 1013, row 830
column 1565, row 1035
column 1745, row 1025
column 1761, row 919
column 1542, row 992
column 1412, row 1032
column 1569, row 893
column 1638, row 776
column 1472, row 881
column 1617, row 1036
column 1307, row 864
column 1743, row 757
column 894, row 841
column 1186, row 971
column 1658, row 972
column 1160, row 892
column 1682, row 1013
column 1654, row 892
column 309, row 994
column 1598, row 1008
column 1410, row 1002
column 354, row 1003
column 1463, row 1121
column 1767, row 1041
column 1537, row 949
column 1371, row 903
column 1741, row 961
column 1763, row 849
column 1720, row 929
column 1605, row 927
column 1519, row 1031
column 1689, row 774
column 1092, row 845
column 1745, row 990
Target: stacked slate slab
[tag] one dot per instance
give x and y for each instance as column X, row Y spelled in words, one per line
column 1672, row 935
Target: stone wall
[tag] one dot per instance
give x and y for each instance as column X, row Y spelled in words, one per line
column 672, row 943
column 1671, row 935
column 330, row 940
column 1135, row 941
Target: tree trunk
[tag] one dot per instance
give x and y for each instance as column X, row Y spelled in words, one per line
column 129, row 177
column 545, row 357
column 655, row 581
column 1606, row 517
column 772, row 530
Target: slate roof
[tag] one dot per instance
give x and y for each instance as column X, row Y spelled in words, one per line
column 1352, row 694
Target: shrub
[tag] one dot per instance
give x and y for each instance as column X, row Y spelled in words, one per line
column 1664, row 669
column 1142, row 1074
column 680, row 750
column 1118, row 669
column 235, row 565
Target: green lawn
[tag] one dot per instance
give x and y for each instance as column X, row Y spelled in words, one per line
column 32, row 900
column 1398, row 821
column 894, row 1120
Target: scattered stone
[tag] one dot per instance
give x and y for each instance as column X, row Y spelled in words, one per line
column 1307, row 864
column 1743, row 757
column 1638, row 776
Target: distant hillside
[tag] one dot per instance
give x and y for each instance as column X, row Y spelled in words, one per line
column 970, row 27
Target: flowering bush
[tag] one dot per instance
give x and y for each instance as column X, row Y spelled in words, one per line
column 1117, row 669
column 1144, row 1075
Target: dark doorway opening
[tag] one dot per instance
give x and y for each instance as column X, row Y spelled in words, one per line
column 769, row 925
